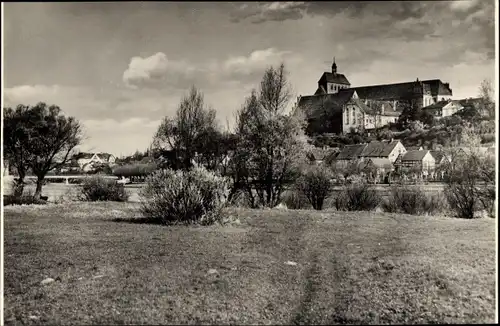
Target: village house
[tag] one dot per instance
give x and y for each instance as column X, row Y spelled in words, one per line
column 380, row 155
column 379, row 168
column 449, row 107
column 86, row 161
column 441, row 162
column 419, row 163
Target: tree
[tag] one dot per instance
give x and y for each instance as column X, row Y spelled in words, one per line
column 315, row 183
column 183, row 133
column 487, row 105
column 470, row 177
column 18, row 130
column 269, row 141
column 55, row 137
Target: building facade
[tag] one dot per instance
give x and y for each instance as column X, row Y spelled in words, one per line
column 336, row 107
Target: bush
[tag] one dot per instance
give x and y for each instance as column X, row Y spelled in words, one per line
column 462, row 199
column 412, row 200
column 295, row 199
column 25, row 199
column 315, row 183
column 357, row 197
column 135, row 170
column 241, row 198
column 97, row 188
column 194, row 196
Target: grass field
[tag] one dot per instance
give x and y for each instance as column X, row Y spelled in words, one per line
column 350, row 268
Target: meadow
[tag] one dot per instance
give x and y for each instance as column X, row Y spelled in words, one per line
column 268, row 267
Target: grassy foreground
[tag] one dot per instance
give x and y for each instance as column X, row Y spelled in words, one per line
column 350, row 268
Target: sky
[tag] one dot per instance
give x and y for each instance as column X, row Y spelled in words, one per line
column 120, row 67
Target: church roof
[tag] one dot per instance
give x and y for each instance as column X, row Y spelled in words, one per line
column 330, row 77
column 403, row 90
column 389, row 91
column 333, row 101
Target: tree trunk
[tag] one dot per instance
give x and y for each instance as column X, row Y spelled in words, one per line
column 18, row 187
column 38, row 191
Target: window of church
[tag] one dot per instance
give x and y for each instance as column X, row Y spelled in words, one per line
column 347, row 116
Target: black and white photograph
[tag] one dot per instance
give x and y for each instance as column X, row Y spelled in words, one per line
column 249, row 163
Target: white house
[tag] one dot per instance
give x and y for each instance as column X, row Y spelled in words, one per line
column 87, row 160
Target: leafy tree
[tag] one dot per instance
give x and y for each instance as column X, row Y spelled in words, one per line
column 54, row 141
column 18, row 130
column 39, row 137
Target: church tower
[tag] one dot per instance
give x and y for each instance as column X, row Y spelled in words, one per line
column 332, row 82
column 334, row 67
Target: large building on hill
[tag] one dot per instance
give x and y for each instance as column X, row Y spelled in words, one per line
column 336, row 107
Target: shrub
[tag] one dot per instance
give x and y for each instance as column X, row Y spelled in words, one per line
column 194, row 196
column 462, row 199
column 25, row 199
column 295, row 199
column 315, row 183
column 241, row 199
column 135, row 170
column 357, row 197
column 97, row 188
column 412, row 200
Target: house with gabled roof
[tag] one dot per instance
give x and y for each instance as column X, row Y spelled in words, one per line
column 87, row 160
column 387, row 150
column 420, row 162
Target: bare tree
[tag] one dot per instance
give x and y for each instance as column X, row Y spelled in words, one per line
column 183, row 133
column 486, row 95
column 268, row 140
column 470, row 177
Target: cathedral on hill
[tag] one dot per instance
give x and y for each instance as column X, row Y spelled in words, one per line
column 336, row 107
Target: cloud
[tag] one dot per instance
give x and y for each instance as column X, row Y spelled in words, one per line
column 155, row 70
column 272, row 11
column 463, row 5
column 114, row 119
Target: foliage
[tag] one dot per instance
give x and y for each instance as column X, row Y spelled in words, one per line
column 295, row 199
column 193, row 196
column 315, row 184
column 188, row 132
column 357, row 197
column 412, row 200
column 470, row 178
column 18, row 129
column 135, row 170
column 39, row 137
column 487, row 104
column 268, row 152
column 97, row 188
column 25, row 199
